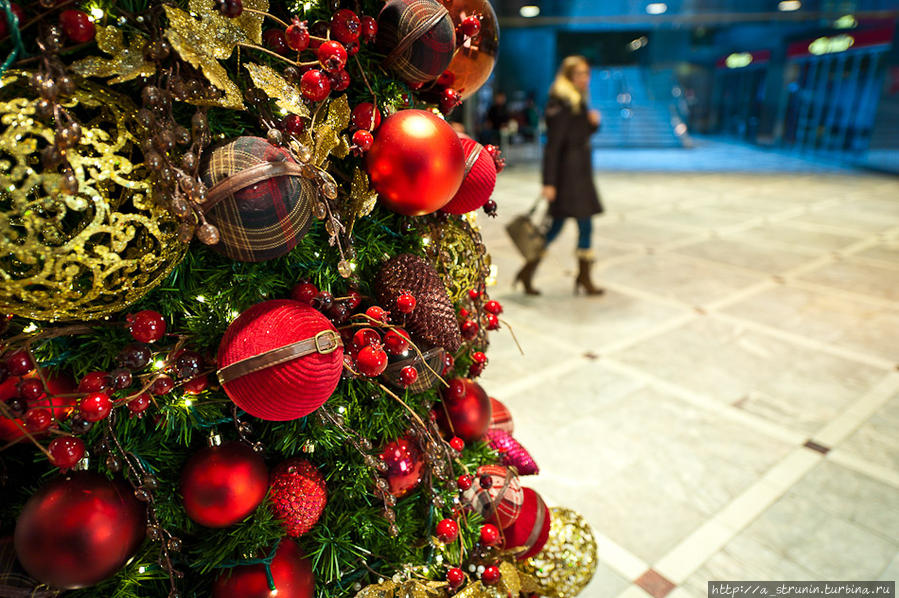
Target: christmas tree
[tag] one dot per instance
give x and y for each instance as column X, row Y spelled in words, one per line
column 248, row 305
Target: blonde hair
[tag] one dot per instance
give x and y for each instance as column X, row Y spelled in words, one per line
column 563, row 88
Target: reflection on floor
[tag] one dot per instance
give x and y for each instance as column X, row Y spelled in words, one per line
column 729, row 410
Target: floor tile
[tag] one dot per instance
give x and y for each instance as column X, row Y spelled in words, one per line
column 745, row 255
column 640, row 233
column 798, row 237
column 852, row 275
column 877, row 440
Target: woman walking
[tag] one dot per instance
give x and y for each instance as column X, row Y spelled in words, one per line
column 567, row 169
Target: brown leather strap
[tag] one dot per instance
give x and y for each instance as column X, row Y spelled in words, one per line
column 472, row 158
column 416, row 32
column 538, row 524
column 249, row 176
column 326, row 341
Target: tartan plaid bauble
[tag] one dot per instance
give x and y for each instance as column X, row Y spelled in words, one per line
column 531, row 529
column 479, row 181
column 286, row 387
column 501, row 501
column 501, row 418
column 418, row 38
column 266, row 218
column 433, row 321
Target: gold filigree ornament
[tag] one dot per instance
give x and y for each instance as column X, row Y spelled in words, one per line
column 127, row 62
column 87, row 255
column 459, row 255
column 211, row 37
column 568, row 560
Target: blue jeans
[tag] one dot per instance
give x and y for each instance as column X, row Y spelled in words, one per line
column 584, row 230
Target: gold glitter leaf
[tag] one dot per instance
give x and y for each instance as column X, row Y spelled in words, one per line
column 127, row 63
column 362, row 197
column 213, row 37
column 286, row 96
column 407, row 589
column 323, row 136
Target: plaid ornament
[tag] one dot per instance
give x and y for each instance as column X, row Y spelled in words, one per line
column 499, row 503
column 265, row 219
column 418, row 38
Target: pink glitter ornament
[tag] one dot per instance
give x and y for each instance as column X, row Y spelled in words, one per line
column 298, row 495
column 512, row 453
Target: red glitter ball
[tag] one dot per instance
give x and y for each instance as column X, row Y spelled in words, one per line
column 298, row 495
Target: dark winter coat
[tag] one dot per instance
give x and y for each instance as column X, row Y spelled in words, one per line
column 566, row 161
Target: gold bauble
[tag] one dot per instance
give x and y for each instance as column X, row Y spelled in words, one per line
column 568, row 560
column 95, row 252
column 475, row 58
column 458, row 254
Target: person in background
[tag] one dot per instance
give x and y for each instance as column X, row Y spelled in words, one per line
column 497, row 118
column 567, row 169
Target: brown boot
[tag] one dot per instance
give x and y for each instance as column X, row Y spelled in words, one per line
column 526, row 276
column 585, row 260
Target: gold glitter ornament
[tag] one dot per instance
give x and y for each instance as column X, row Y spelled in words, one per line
column 127, row 63
column 568, row 560
column 286, row 96
column 458, row 255
column 89, row 254
column 323, row 135
column 362, row 197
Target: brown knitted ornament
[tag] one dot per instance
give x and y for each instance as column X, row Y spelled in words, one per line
column 433, row 321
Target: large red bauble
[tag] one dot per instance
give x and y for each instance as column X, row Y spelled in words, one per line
column 59, row 407
column 76, row 531
column 291, row 573
column 531, row 529
column 416, row 162
column 466, row 416
column 291, row 389
column 479, row 181
column 475, row 57
column 404, row 464
column 223, row 484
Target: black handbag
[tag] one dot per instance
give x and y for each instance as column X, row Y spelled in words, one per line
column 526, row 235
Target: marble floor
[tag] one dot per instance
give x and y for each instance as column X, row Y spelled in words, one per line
column 729, row 410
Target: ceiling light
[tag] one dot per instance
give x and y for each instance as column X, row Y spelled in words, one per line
column 656, row 8
column 845, row 22
column 529, row 11
column 788, row 5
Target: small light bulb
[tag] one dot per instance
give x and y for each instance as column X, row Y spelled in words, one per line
column 97, row 13
column 201, row 298
column 159, row 364
column 188, row 403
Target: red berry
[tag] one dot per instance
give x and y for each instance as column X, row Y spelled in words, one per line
column 293, row 124
column 363, row 140
column 405, row 303
column 77, row 26
column 345, row 26
column 95, row 382
column 315, row 86
column 475, row 370
column 449, row 99
column 332, row 56
column 147, row 326
column 486, row 481
column 369, row 28
column 479, row 357
column 196, row 385
column 396, row 341
column 318, row 29
column 378, row 314
column 366, row 116
column 455, row 577
column 489, row 535
column 491, row 575
column 493, row 307
column 471, row 26
column 464, row 482
column 469, row 329
column 408, row 376
column 490, row 208
column 95, row 406
column 456, row 390
column 304, row 292
column 371, row 361
column 162, row 386
column 365, row 337
column 446, row 79
column 30, row 389
column 4, row 24
column 19, row 363
column 447, row 531
column 37, row 420
column 448, row 364
column 232, row 8
column 352, row 48
column 457, row 443
column 492, row 322
column 464, row 313
column 140, row 403
column 296, row 36
column 66, row 451
column 353, row 299
column 340, row 80
column 497, row 156
column 274, row 39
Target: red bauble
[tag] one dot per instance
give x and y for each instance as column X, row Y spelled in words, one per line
column 366, row 116
column 37, row 420
column 447, row 531
column 493, row 307
column 465, row 415
column 469, row 329
column 139, row 404
column 77, row 26
column 531, row 529
column 479, row 181
column 298, row 495
column 416, row 163
column 501, row 500
column 449, row 99
column 287, row 390
column 196, row 385
column 31, row 389
column 501, row 418
column 66, row 451
column 223, row 484
column 475, row 57
column 76, row 531
column 371, row 361
column 315, row 85
column 291, row 573
column 163, row 385
column 404, row 464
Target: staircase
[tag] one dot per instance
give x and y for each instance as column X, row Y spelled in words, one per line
column 631, row 115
